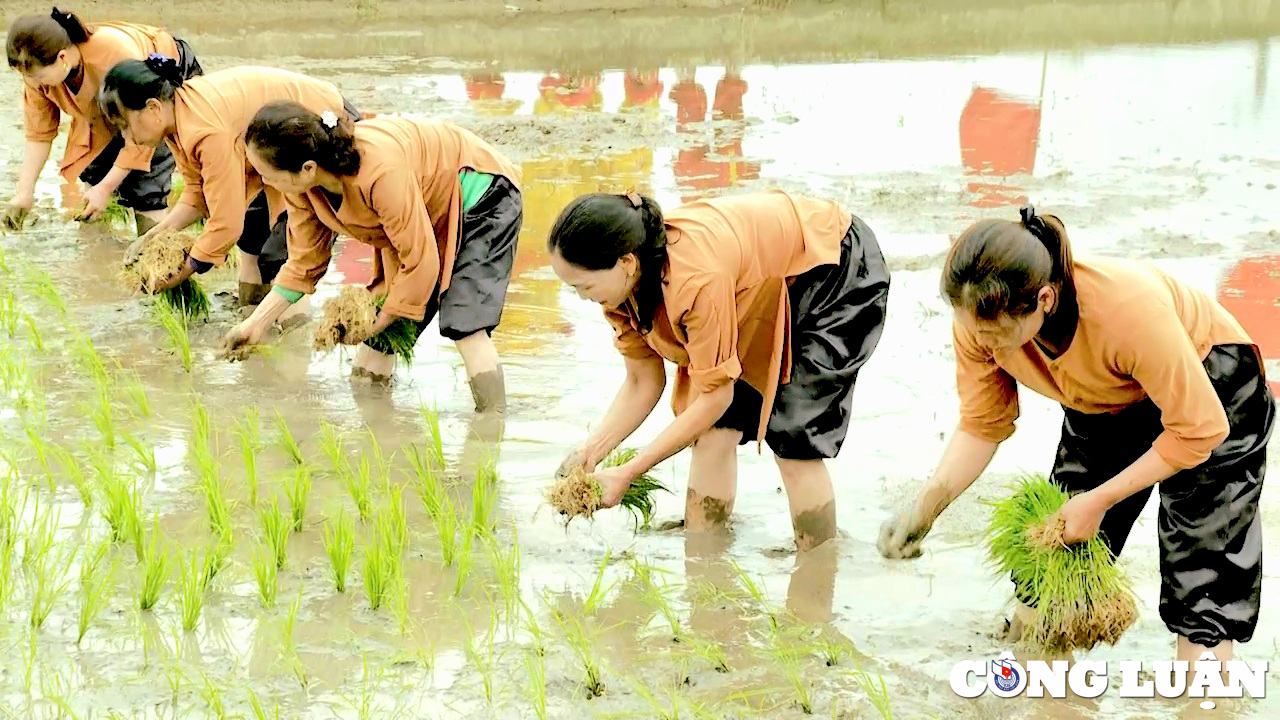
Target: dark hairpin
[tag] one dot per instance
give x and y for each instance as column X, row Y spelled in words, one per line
column 1032, row 221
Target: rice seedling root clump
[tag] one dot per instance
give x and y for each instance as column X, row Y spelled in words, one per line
column 1081, row 598
column 352, row 314
column 160, row 256
column 579, row 494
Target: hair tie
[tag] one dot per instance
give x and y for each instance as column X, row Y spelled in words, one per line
column 1033, row 222
column 329, row 119
column 166, row 67
column 635, row 199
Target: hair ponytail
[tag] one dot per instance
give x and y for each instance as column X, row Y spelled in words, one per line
column 997, row 268
column 595, row 231
column 287, row 135
column 71, row 25
column 35, row 40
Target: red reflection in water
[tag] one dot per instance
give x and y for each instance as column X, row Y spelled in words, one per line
column 999, row 136
column 1251, row 292
column 697, row 168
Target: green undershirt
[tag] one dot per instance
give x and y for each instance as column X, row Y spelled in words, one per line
column 474, row 185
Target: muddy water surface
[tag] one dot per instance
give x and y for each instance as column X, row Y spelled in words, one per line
column 1165, row 152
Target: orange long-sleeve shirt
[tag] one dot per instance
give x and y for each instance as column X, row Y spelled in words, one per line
column 725, row 312
column 406, row 202
column 1141, row 334
column 211, row 114
column 43, row 107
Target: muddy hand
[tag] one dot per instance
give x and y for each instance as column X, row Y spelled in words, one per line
column 901, row 535
column 15, row 216
column 134, row 250
column 576, row 460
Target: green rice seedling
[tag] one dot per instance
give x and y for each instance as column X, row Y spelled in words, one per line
column 538, row 639
column 436, row 449
column 30, row 658
column 174, row 674
column 275, row 527
column 131, row 384
column 709, row 651
column 535, row 664
column 146, row 453
column 56, row 689
column 483, row 661
column 397, row 525
column 115, row 214
column 191, row 585
column 175, row 327
column 95, row 585
column 219, row 554
column 755, row 592
column 579, row 494
column 42, row 449
column 331, row 446
column 42, row 533
column 50, row 575
column 358, row 486
column 789, row 661
column 291, row 645
column 400, row 598
column 875, row 690
column 665, row 709
column 484, row 497
column 506, row 569
column 1080, row 596
column 832, row 649
column 122, row 502
column 247, row 434
column 188, row 300
column 90, row 361
column 464, row 561
column 447, row 527
column 339, row 541
column 213, row 698
column 380, row 563
column 583, row 648
column 100, row 413
column 298, row 489
column 155, row 568
column 264, row 570
column 599, row 591
column 258, row 712
column 657, row 596
column 286, row 439
column 48, row 292
column 33, row 332
column 10, row 315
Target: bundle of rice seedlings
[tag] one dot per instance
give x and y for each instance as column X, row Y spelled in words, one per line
column 161, row 256
column 1081, row 598
column 352, row 313
column 114, row 214
column 579, row 494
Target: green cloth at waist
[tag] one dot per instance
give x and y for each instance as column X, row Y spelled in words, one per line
column 474, row 186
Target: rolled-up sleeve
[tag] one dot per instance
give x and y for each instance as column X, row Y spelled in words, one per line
column 310, row 245
column 221, row 184
column 1156, row 352
column 711, row 330
column 988, row 394
column 626, row 339
column 396, row 198
column 40, row 115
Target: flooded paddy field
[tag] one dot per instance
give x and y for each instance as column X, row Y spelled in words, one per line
column 1149, row 127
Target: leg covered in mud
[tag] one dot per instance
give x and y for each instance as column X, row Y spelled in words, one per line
column 713, row 481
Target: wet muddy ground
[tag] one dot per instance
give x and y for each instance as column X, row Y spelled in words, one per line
column 1165, row 151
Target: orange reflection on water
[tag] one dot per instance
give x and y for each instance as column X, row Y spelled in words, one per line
column 999, row 136
column 1251, row 292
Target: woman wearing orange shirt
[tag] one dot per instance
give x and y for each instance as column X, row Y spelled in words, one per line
column 1159, row 384
column 768, row 304
column 203, row 121
column 63, row 62
column 441, row 206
